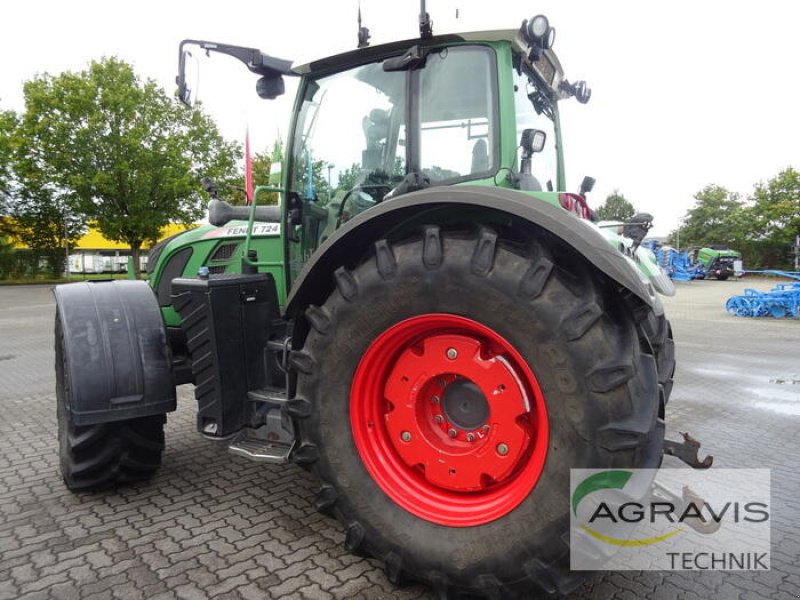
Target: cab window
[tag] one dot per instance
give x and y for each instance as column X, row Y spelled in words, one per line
column 456, row 108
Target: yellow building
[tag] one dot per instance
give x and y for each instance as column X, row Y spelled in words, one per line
column 93, row 240
column 93, row 253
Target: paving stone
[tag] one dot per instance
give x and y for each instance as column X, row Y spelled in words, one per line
column 210, row 525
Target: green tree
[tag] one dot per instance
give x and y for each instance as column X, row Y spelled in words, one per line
column 44, row 223
column 718, row 217
column 6, row 257
column 776, row 207
column 616, row 208
column 8, row 125
column 126, row 155
column 262, row 175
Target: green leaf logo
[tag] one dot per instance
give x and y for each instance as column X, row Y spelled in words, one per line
column 614, row 480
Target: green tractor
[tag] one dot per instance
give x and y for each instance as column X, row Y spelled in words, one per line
column 718, row 261
column 439, row 337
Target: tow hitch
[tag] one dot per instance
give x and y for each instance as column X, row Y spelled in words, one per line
column 687, row 452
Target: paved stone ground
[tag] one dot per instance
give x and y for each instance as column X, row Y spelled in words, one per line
column 215, row 526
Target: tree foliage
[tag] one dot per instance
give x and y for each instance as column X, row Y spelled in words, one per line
column 776, row 207
column 763, row 228
column 262, row 175
column 616, row 208
column 718, row 217
column 120, row 151
column 8, row 125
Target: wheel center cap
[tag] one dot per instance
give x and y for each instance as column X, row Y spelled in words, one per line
column 464, row 405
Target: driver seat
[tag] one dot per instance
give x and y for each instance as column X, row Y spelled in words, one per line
column 376, row 129
column 480, row 157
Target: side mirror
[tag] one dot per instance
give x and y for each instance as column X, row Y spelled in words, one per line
column 186, row 92
column 587, row 185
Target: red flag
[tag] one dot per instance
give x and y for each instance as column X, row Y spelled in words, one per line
column 248, row 169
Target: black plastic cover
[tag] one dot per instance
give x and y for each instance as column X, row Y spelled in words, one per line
column 115, row 348
column 227, row 320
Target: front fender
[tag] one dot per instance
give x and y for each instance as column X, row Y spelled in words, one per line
column 115, row 351
column 354, row 239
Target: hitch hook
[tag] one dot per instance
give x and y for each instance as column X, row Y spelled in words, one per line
column 687, row 452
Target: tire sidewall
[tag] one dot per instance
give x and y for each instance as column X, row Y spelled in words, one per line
column 575, row 413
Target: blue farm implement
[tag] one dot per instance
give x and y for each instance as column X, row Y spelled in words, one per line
column 782, row 301
column 676, row 264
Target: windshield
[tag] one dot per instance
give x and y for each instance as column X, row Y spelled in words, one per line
column 350, row 141
column 349, row 138
column 359, row 132
column 535, row 111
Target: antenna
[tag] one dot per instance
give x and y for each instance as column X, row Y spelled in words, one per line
column 363, row 32
column 425, row 23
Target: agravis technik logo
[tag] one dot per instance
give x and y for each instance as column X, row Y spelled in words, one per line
column 670, row 519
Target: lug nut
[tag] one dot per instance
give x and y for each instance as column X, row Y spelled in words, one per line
column 405, row 436
column 452, row 353
column 485, row 429
column 442, row 383
column 452, row 433
column 470, row 437
column 435, row 399
column 502, row 449
column 439, row 419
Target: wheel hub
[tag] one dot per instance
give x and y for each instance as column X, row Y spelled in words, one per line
column 464, row 405
column 449, row 420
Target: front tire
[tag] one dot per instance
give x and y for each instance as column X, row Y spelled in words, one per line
column 99, row 456
column 580, row 379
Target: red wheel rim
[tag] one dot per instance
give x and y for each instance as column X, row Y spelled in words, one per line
column 449, row 420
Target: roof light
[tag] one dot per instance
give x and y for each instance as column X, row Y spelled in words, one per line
column 538, row 33
column 538, row 27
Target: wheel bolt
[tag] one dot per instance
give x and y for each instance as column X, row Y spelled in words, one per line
column 435, row 399
column 439, row 419
column 452, row 353
column 502, row 449
column 405, row 436
column 452, row 433
column 485, row 429
column 470, row 437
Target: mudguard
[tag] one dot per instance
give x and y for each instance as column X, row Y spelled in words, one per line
column 353, row 240
column 115, row 351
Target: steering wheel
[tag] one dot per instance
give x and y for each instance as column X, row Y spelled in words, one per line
column 340, row 217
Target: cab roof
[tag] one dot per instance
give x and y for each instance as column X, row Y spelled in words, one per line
column 368, row 54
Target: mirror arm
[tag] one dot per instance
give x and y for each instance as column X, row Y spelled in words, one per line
column 255, row 60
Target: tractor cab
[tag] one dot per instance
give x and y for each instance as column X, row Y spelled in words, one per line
column 380, row 122
column 374, row 124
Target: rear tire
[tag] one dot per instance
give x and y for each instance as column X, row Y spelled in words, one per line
column 560, row 331
column 102, row 455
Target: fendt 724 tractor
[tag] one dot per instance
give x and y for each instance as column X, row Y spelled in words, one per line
column 439, row 338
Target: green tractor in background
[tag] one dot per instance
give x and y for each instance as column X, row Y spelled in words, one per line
column 439, row 340
column 718, row 261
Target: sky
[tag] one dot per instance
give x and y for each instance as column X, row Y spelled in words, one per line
column 685, row 93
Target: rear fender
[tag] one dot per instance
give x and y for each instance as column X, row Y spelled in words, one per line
column 115, row 351
column 353, row 241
